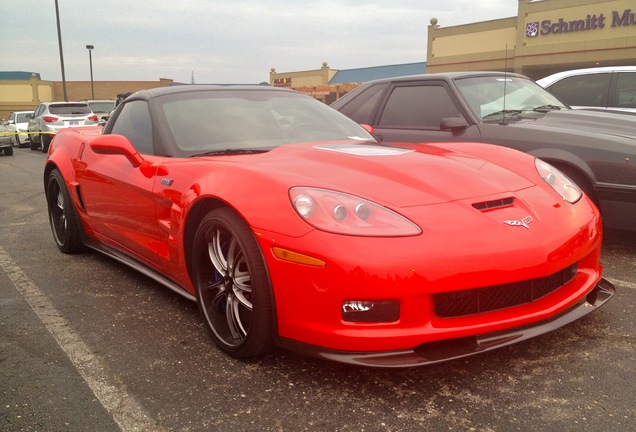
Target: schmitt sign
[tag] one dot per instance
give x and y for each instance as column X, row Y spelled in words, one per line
column 589, row 23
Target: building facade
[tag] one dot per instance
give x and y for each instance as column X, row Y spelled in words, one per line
column 24, row 91
column 545, row 37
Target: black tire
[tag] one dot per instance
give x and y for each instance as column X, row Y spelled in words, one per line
column 46, row 142
column 232, row 285
column 18, row 144
column 62, row 217
column 8, row 151
column 34, row 145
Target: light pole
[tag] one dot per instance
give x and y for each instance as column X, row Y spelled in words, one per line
column 59, row 41
column 90, row 60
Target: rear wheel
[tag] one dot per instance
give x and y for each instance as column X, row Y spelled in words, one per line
column 34, row 145
column 8, row 151
column 64, row 221
column 232, row 285
column 46, row 142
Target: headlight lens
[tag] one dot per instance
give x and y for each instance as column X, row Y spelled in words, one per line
column 558, row 181
column 342, row 213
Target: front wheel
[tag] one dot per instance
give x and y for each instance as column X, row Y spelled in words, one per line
column 232, row 285
column 62, row 216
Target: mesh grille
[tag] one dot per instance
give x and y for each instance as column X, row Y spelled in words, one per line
column 479, row 300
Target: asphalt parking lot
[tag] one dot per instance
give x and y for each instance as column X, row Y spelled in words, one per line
column 88, row 345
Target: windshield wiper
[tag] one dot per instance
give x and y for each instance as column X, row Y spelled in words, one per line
column 503, row 113
column 231, row 151
column 546, row 108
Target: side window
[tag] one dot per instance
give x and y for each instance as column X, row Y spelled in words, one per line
column 38, row 110
column 583, row 90
column 361, row 108
column 626, row 86
column 134, row 123
column 418, row 107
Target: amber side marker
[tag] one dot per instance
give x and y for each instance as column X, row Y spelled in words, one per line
column 296, row 257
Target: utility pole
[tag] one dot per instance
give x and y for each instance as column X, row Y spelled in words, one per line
column 59, row 40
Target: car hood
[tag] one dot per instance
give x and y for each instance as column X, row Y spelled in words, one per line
column 623, row 125
column 394, row 175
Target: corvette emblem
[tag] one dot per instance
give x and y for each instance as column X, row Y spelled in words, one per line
column 525, row 222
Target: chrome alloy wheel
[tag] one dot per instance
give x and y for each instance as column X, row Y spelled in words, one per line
column 228, row 297
column 232, row 285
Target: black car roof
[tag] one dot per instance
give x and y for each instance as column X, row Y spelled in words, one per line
column 447, row 76
column 161, row 91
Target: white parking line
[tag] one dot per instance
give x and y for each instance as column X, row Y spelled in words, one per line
column 126, row 411
column 622, row 283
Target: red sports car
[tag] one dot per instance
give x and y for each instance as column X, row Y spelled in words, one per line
column 291, row 226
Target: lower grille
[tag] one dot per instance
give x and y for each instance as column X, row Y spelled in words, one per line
column 480, row 300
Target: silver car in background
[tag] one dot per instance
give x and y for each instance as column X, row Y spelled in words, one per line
column 602, row 88
column 101, row 107
column 18, row 123
column 50, row 117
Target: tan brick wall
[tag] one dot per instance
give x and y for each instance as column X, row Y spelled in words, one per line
column 75, row 90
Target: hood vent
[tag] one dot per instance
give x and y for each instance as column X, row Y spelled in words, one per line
column 494, row 204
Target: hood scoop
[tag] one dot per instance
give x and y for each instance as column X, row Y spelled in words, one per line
column 364, row 149
column 494, row 204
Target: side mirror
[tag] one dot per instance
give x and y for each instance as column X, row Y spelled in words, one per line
column 453, row 123
column 116, row 145
column 28, row 116
column 368, row 128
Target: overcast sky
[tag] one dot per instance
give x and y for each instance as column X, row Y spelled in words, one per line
column 223, row 41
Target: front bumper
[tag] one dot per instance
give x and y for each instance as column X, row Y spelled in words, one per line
column 451, row 349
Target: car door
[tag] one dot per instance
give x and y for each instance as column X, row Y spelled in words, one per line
column 117, row 196
column 33, row 125
column 414, row 112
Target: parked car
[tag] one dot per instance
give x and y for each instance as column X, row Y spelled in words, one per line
column 595, row 149
column 50, row 117
column 290, row 225
column 5, row 139
column 101, row 107
column 18, row 122
column 602, row 88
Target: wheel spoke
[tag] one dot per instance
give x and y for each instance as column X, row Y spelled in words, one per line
column 233, row 318
column 215, row 252
column 242, row 285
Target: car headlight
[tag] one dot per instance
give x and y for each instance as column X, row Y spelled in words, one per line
column 342, row 213
column 558, row 181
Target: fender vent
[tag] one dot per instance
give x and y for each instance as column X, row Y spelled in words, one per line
column 80, row 199
column 480, row 300
column 494, row 204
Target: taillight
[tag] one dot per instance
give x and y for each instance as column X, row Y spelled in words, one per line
column 93, row 118
column 50, row 119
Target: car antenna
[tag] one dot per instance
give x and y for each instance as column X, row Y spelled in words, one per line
column 503, row 113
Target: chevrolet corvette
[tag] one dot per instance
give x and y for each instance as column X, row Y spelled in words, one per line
column 291, row 226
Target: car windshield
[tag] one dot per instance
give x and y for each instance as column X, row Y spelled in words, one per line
column 220, row 121
column 485, row 95
column 69, row 109
column 102, row 107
